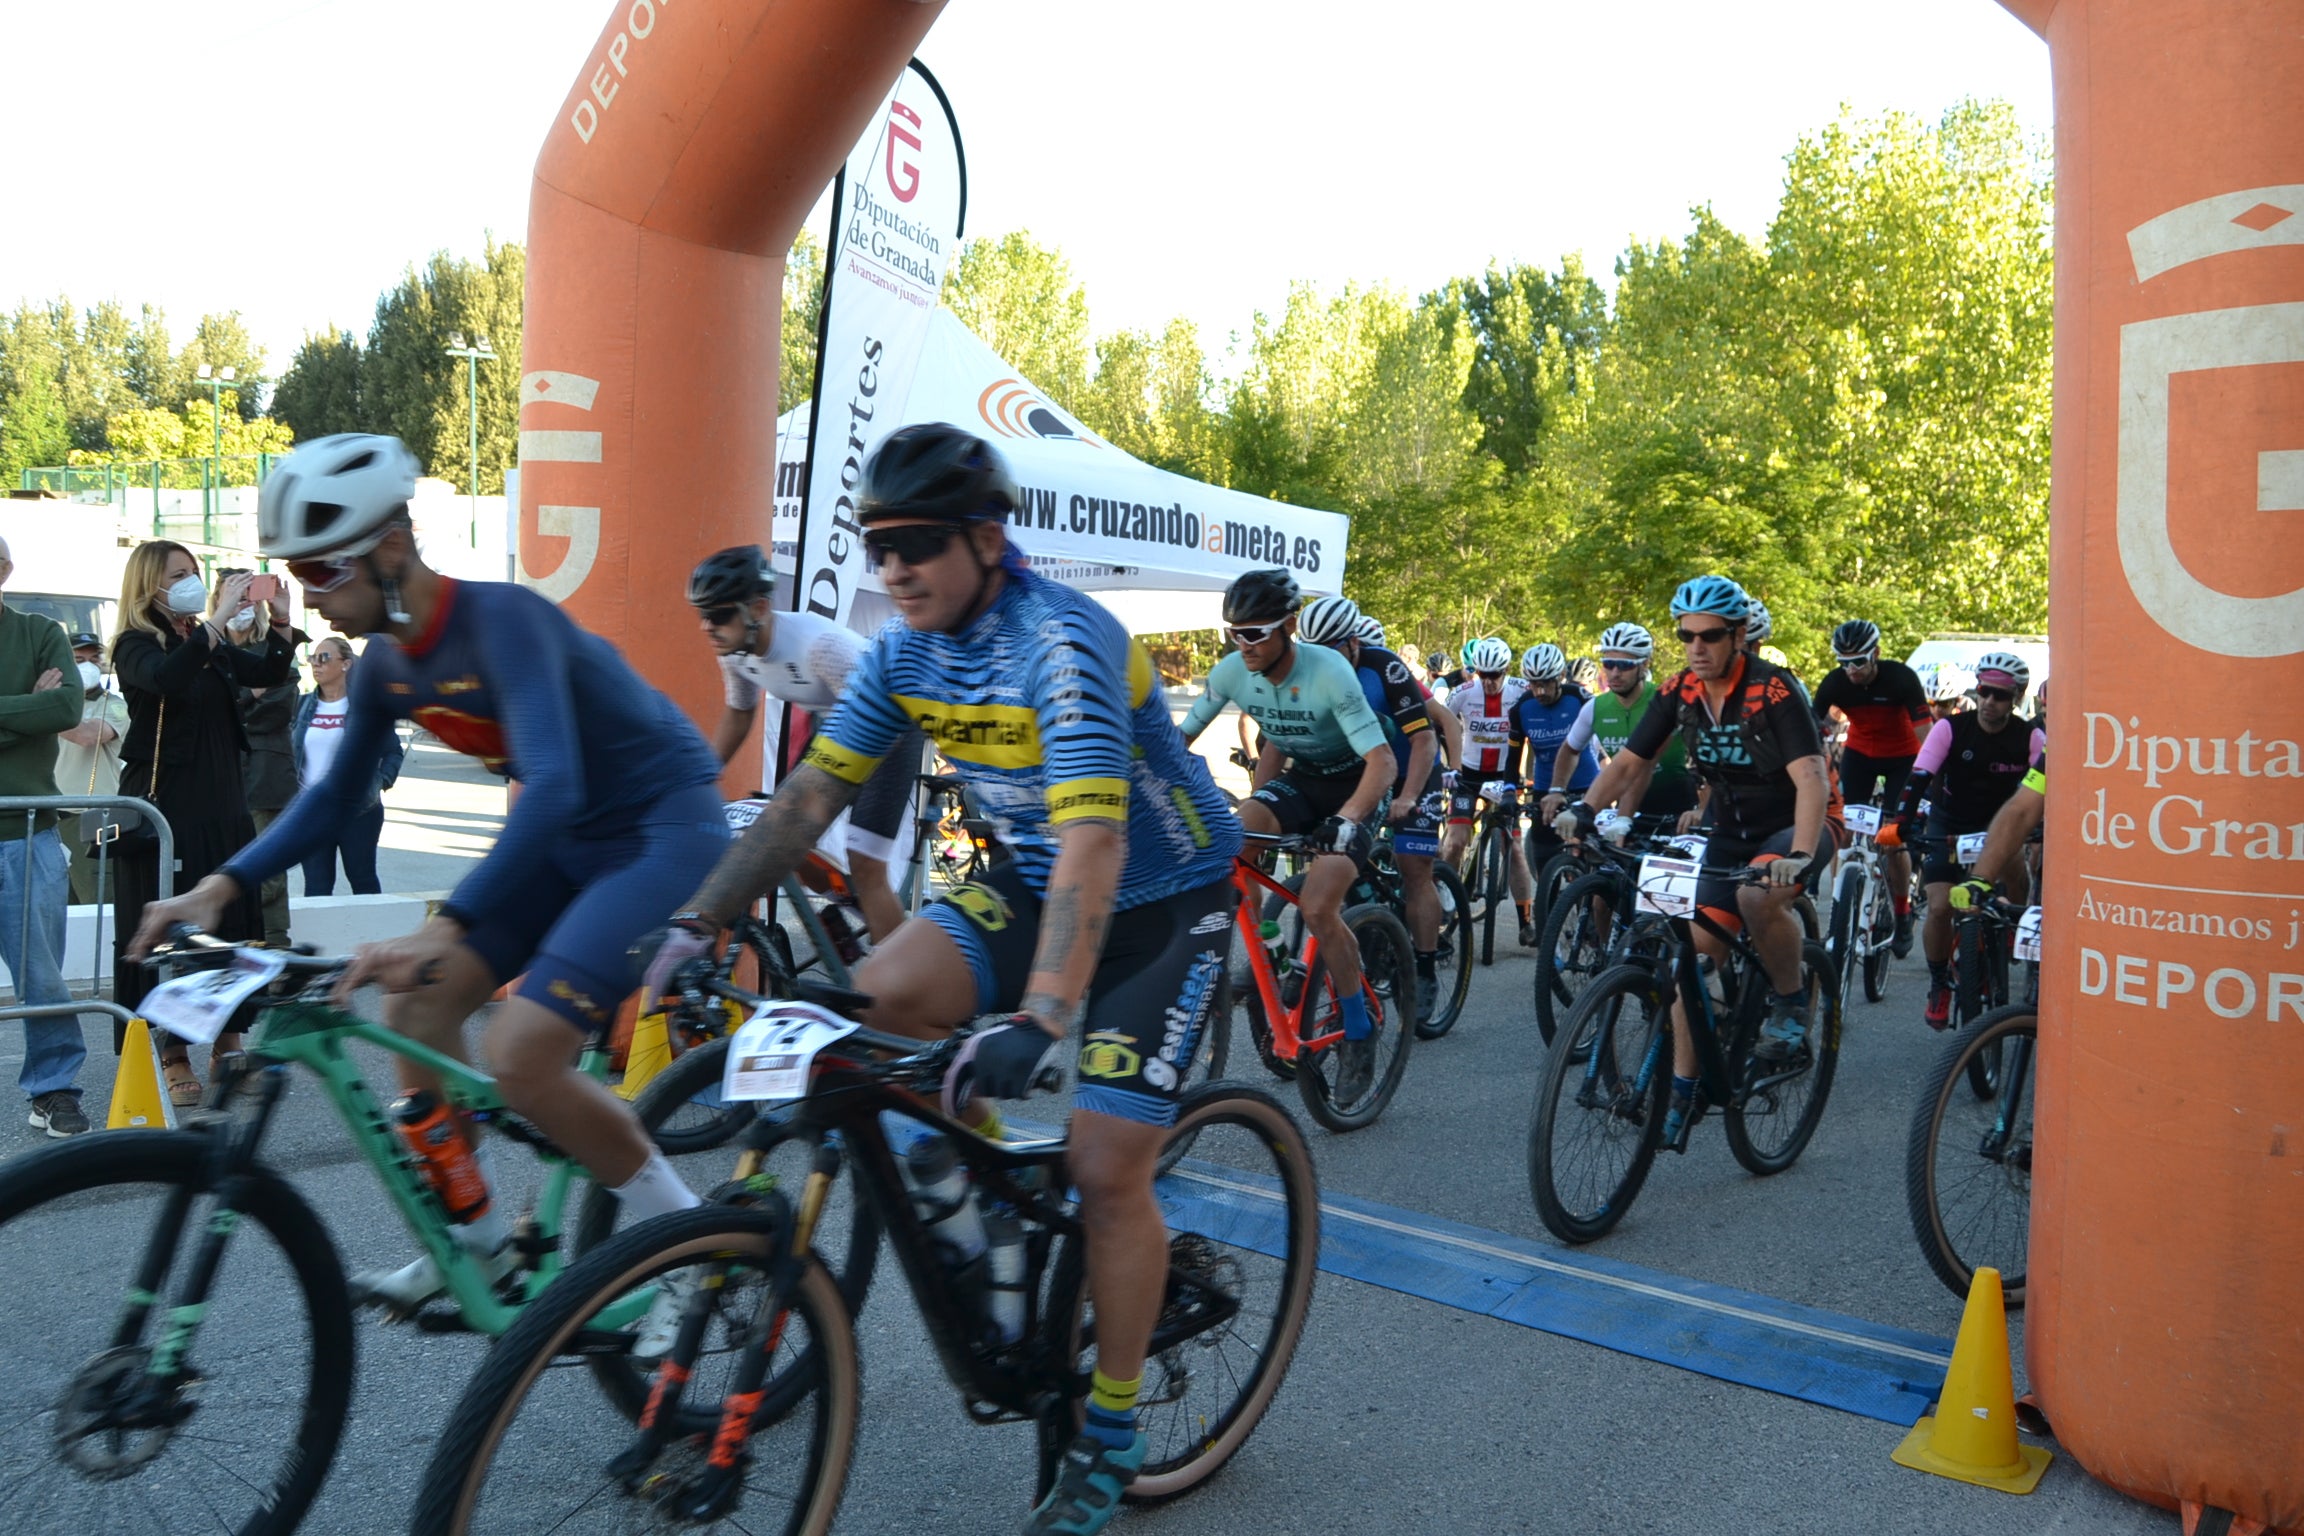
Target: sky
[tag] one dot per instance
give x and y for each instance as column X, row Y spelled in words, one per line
column 289, row 159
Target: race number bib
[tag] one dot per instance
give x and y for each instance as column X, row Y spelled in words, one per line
column 1690, row 846
column 769, row 1058
column 198, row 1007
column 1668, row 886
column 1970, row 847
column 2028, row 936
column 1863, row 820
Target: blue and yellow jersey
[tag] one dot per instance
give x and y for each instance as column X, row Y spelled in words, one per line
column 1052, row 713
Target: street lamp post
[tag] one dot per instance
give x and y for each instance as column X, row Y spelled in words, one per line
column 472, row 356
column 215, row 379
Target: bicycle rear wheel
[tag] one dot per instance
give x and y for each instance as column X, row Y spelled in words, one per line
column 1779, row 1104
column 531, row 1447
column 1600, row 1105
column 1243, row 1216
column 1973, row 998
column 1968, row 1164
column 244, row 1439
column 1881, row 913
column 1578, row 929
column 1388, row 982
column 1452, row 964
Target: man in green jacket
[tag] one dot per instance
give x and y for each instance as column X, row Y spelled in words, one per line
column 35, row 659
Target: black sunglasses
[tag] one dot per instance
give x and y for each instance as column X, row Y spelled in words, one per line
column 2002, row 695
column 1619, row 666
column 912, row 543
column 724, row 613
column 1702, row 637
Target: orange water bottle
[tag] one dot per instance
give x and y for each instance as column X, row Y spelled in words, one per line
column 430, row 1129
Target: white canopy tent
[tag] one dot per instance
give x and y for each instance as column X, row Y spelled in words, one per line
column 1157, row 548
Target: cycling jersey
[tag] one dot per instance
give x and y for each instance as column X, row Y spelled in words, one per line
column 1763, row 726
column 1489, row 747
column 502, row 675
column 807, row 663
column 1052, row 714
column 1974, row 770
column 1397, row 700
column 1545, row 727
column 1317, row 717
column 1881, row 714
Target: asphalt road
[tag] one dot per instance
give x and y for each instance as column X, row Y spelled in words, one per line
column 1400, row 1414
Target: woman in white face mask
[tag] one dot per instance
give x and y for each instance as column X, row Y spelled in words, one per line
column 178, row 673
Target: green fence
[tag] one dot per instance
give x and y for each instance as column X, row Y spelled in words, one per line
column 110, row 482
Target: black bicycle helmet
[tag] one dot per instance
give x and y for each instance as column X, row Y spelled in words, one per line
column 935, row 471
column 735, row 575
column 1857, row 637
column 1261, row 597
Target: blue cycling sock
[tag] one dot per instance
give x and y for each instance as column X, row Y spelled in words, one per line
column 1790, row 1002
column 1357, row 1024
column 1684, row 1088
column 1111, row 1414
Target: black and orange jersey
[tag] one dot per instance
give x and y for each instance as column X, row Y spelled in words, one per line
column 1744, row 752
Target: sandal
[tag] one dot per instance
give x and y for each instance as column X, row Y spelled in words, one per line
column 183, row 1085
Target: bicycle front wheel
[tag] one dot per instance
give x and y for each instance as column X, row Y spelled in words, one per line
column 1243, row 1214
column 1600, row 1105
column 1388, row 983
column 240, row 1436
column 532, row 1447
column 1847, row 926
column 1779, row 1104
column 1452, row 964
column 1577, row 929
column 1881, row 913
column 1972, row 999
column 1968, row 1163
column 1495, row 886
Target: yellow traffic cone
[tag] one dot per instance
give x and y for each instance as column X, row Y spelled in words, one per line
column 136, row 1096
column 1972, row 1435
column 649, row 1054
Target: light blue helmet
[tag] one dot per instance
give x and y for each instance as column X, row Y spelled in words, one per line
column 1715, row 595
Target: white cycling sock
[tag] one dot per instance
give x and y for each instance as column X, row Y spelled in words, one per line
column 656, row 1190
column 487, row 1234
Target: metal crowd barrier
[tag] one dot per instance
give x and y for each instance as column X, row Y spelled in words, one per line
column 134, row 811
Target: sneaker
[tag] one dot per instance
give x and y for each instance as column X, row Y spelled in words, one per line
column 1427, row 997
column 1781, row 1037
column 1089, row 1482
column 1527, row 935
column 1901, row 945
column 1355, row 1069
column 661, row 1327
column 58, row 1113
column 1676, row 1121
column 400, row 1293
column 1939, row 1012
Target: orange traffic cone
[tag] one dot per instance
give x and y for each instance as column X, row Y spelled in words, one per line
column 1972, row 1436
column 649, row 1054
column 136, row 1096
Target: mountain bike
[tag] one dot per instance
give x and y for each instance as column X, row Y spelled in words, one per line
column 1382, row 883
column 1594, row 923
column 1601, row 1105
column 1293, row 1017
column 1487, row 871
column 1863, row 912
column 1982, row 938
column 751, row 1420
column 1968, row 1159
column 216, row 1359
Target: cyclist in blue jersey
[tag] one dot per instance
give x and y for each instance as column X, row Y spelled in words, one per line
column 1325, row 770
column 1419, row 794
column 618, row 815
column 1542, row 719
column 1107, row 932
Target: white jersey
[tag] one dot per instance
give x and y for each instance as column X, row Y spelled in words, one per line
column 1487, row 722
column 807, row 664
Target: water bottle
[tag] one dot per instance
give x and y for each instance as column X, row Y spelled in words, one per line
column 429, row 1128
column 946, row 1202
column 1276, row 951
column 1004, row 1255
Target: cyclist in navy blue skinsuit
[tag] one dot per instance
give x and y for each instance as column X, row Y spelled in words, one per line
column 617, row 819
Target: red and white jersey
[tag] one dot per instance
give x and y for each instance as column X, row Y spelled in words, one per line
column 1487, row 721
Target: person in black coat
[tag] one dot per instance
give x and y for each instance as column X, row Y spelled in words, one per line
column 183, row 750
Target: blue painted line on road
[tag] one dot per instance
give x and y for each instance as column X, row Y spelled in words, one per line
column 1732, row 1335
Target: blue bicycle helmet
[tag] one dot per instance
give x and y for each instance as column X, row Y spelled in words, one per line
column 1715, row 595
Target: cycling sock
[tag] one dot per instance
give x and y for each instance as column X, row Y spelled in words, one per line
column 1684, row 1089
column 485, row 1233
column 1789, row 1002
column 1427, row 963
column 1903, row 900
column 988, row 1125
column 655, row 1190
column 1112, row 1409
column 1357, row 1025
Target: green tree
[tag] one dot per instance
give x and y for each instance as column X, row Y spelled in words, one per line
column 320, row 393
column 1151, row 397
column 412, row 389
column 219, row 342
column 1522, row 319
column 33, row 427
column 1020, row 299
column 803, row 318
column 155, row 375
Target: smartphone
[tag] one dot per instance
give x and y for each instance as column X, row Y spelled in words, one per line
column 262, row 589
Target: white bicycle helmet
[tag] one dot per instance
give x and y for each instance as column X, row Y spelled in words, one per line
column 2015, row 672
column 334, row 495
column 1328, row 620
column 1584, row 673
column 1544, row 663
column 1950, row 683
column 1758, row 626
column 1631, row 640
column 1370, row 632
column 1487, row 655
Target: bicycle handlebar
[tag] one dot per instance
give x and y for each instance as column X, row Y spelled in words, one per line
column 187, row 945
column 697, row 980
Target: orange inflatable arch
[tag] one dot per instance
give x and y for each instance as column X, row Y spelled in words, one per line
column 2165, row 1336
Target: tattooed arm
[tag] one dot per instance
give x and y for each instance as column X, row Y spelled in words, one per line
column 773, row 846
column 1074, row 921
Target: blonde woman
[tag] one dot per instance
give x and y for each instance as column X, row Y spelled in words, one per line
column 178, row 673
